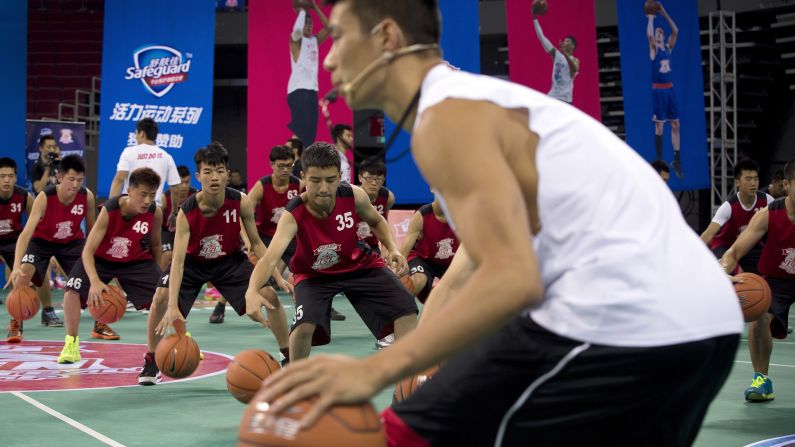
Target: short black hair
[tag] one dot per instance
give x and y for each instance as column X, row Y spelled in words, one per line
column 419, row 20
column 321, row 155
column 149, row 127
column 338, row 130
column 745, row 164
column 778, row 175
column 144, row 177
column 7, row 162
column 373, row 165
column 573, row 40
column 232, row 171
column 281, row 153
column 789, row 170
column 44, row 139
column 214, row 154
column 73, row 162
column 183, row 171
column 297, row 144
column 661, row 166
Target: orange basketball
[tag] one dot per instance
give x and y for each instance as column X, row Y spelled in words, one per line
column 111, row 307
column 754, row 295
column 340, row 426
column 22, row 303
column 245, row 373
column 651, row 7
column 409, row 385
column 177, row 356
column 540, row 7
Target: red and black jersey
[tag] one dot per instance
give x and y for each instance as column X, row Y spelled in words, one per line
column 216, row 237
column 126, row 240
column 778, row 256
column 61, row 223
column 11, row 210
column 381, row 204
column 330, row 245
column 167, row 210
column 740, row 217
column 273, row 203
column 438, row 243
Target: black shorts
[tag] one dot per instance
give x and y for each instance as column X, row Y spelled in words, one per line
column 303, row 111
column 7, row 248
column 229, row 275
column 288, row 253
column 376, row 294
column 533, row 387
column 431, row 272
column 782, row 295
column 40, row 251
column 749, row 262
column 167, row 240
column 138, row 279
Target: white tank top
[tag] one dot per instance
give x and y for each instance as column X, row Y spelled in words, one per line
column 618, row 263
column 304, row 70
column 562, row 82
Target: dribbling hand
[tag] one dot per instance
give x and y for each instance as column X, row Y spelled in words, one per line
column 95, row 293
column 172, row 314
column 397, row 262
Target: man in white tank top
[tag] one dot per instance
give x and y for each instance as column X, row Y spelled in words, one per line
column 561, row 321
column 302, row 87
column 564, row 65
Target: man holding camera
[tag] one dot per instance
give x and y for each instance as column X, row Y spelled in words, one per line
column 43, row 172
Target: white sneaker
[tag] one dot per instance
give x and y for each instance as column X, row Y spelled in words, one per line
column 385, row 342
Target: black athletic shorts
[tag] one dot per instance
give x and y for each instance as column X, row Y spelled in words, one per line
column 229, row 275
column 431, row 272
column 40, row 251
column 782, row 294
column 527, row 386
column 749, row 262
column 167, row 240
column 7, row 248
column 376, row 294
column 138, row 279
column 288, row 253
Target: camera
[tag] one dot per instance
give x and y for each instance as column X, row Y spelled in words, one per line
column 55, row 161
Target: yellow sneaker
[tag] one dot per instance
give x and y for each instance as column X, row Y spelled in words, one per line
column 71, row 350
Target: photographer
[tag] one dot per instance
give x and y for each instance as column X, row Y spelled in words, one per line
column 43, row 172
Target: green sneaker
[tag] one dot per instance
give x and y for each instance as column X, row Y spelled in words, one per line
column 71, row 350
column 761, row 389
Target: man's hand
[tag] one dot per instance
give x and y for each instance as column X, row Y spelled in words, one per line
column 172, row 314
column 254, row 303
column 16, row 273
column 286, row 286
column 397, row 262
column 95, row 293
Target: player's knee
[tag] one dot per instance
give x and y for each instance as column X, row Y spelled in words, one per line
column 161, row 297
column 270, row 296
column 303, row 332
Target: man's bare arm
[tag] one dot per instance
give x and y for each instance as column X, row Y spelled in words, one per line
column 752, row 234
column 118, row 183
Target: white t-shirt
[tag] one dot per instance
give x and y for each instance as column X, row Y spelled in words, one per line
column 724, row 213
column 304, row 70
column 345, row 169
column 619, row 264
column 148, row 156
column 562, row 82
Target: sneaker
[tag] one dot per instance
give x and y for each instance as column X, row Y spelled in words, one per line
column 14, row 331
column 49, row 318
column 104, row 332
column 150, row 375
column 212, row 294
column 71, row 350
column 336, row 316
column 761, row 389
column 676, row 165
column 385, row 342
column 217, row 316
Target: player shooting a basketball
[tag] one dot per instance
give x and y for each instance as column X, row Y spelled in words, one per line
column 564, row 65
column 662, row 87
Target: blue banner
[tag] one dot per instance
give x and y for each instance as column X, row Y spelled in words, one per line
column 663, row 87
column 157, row 62
column 69, row 136
column 461, row 46
column 14, row 36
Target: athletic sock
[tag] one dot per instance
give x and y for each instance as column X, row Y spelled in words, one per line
column 220, row 308
column 658, row 145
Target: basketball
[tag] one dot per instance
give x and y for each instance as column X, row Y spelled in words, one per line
column 540, row 7
column 651, row 7
column 112, row 306
column 409, row 385
column 177, row 356
column 754, row 295
column 340, row 426
column 22, row 303
column 245, row 373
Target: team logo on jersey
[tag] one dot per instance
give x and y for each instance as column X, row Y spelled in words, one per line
column 5, row 226
column 326, row 256
column 211, row 247
column 363, row 230
column 63, row 230
column 159, row 67
column 277, row 214
column 445, row 249
column 788, row 264
column 665, row 66
column 120, row 247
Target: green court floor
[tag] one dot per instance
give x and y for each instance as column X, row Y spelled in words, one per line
column 201, row 413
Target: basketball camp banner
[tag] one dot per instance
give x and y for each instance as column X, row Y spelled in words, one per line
column 14, row 36
column 461, row 48
column 69, row 136
column 270, row 24
column 531, row 65
column 157, row 62
column 665, row 85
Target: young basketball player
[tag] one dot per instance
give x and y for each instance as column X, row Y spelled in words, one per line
column 330, row 258
column 572, row 322
column 372, row 175
column 207, row 248
column 777, row 264
column 123, row 244
column 183, row 190
column 53, row 230
column 14, row 201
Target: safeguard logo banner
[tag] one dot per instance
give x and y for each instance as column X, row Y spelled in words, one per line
column 158, row 67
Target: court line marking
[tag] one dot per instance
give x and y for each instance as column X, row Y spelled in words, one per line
column 87, row 430
column 772, row 364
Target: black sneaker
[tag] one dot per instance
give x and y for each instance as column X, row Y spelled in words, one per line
column 676, row 165
column 336, row 316
column 49, row 318
column 150, row 375
column 217, row 316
